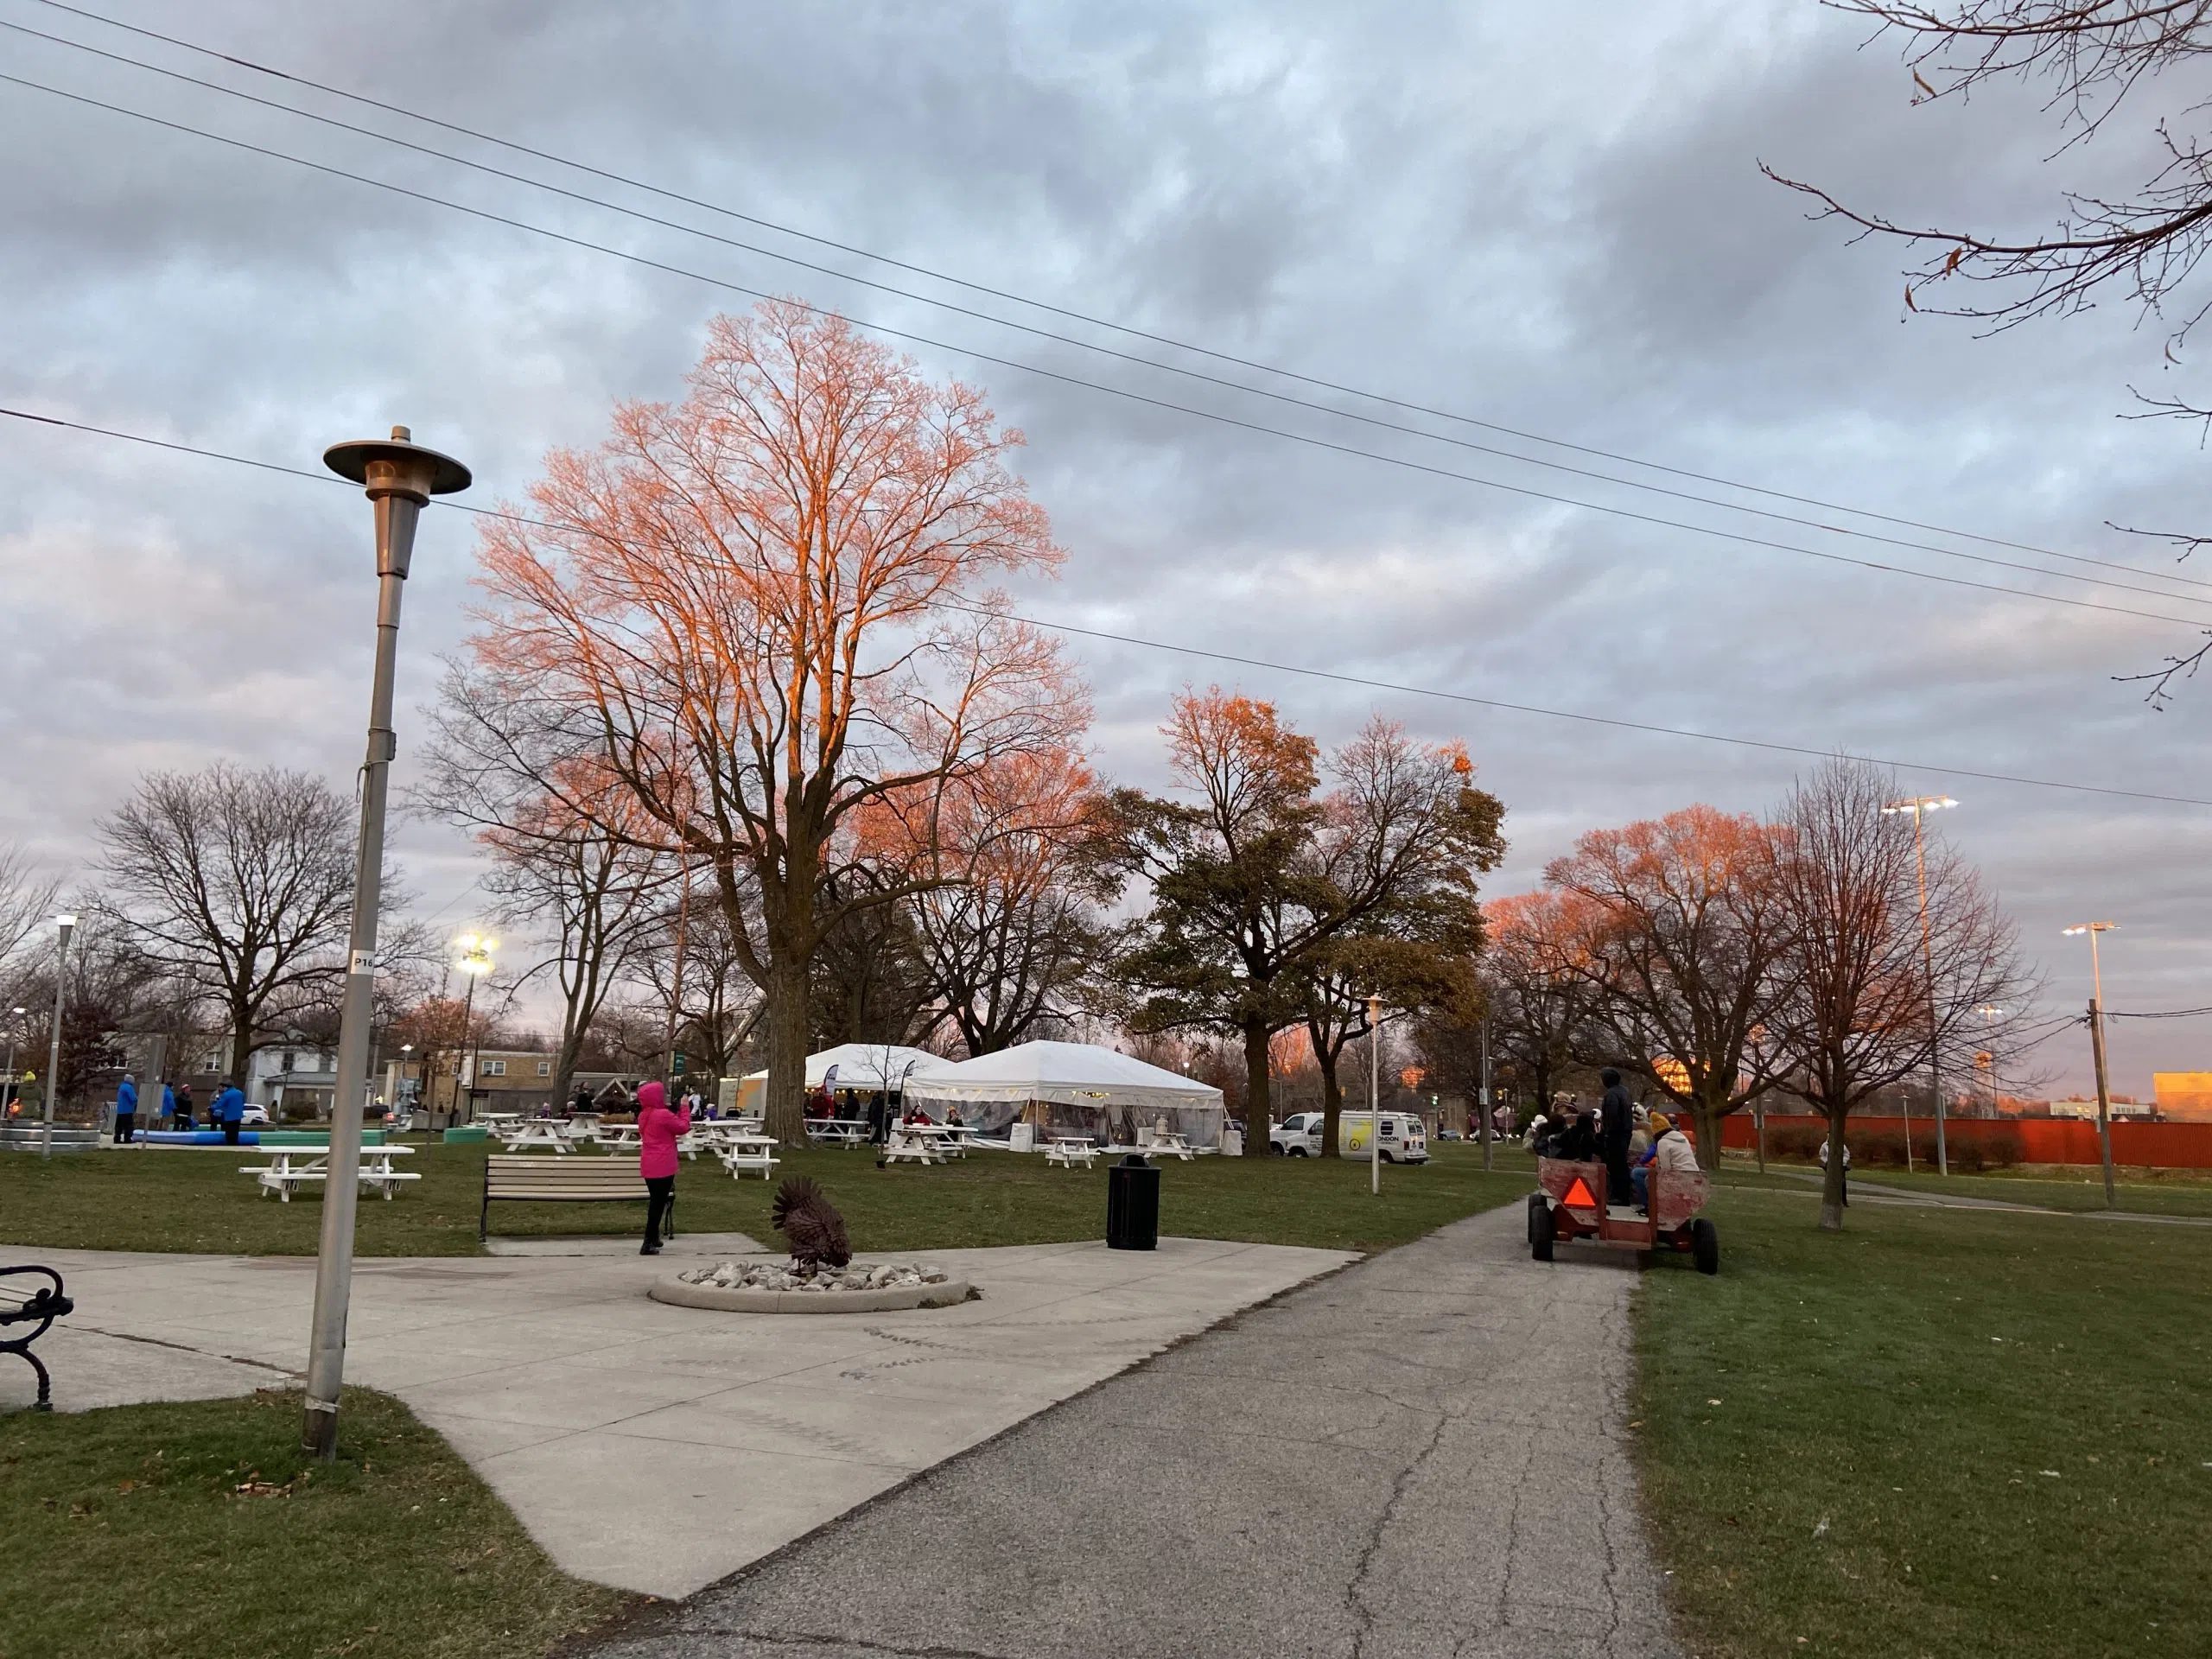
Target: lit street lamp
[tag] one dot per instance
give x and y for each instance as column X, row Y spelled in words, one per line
column 475, row 961
column 400, row 477
column 1919, row 806
column 62, row 924
column 2097, row 1048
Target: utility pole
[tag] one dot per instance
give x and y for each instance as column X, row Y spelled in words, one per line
column 2097, row 1052
column 1918, row 806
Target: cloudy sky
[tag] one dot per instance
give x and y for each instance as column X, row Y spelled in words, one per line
column 1548, row 218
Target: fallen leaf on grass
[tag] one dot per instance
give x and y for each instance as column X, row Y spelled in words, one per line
column 1821, row 1531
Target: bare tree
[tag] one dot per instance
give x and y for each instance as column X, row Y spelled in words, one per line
column 26, row 901
column 717, row 1008
column 1006, row 917
column 598, row 894
column 240, row 884
column 1856, row 1015
column 1540, row 1007
column 1681, row 932
column 2094, row 54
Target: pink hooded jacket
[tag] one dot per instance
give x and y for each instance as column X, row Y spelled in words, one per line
column 657, row 1129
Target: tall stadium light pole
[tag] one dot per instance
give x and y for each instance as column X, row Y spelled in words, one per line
column 2097, row 1050
column 62, row 924
column 400, row 477
column 15, row 1030
column 1991, row 1014
column 1374, row 1095
column 1919, row 806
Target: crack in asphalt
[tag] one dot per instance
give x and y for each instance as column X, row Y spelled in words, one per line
column 1354, row 1601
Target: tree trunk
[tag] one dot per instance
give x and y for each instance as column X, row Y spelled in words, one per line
column 1831, row 1186
column 1257, row 1102
column 788, row 1026
column 564, row 1066
column 241, row 1044
column 1333, row 1101
column 1708, row 1118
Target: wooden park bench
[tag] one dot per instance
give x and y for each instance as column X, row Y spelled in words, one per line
column 527, row 1179
column 38, row 1308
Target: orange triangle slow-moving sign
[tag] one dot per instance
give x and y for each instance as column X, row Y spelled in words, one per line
column 1579, row 1196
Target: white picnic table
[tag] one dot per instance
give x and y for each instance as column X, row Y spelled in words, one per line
column 618, row 1137
column 523, row 1134
column 916, row 1143
column 846, row 1131
column 742, row 1151
column 1164, row 1143
column 1069, row 1150
column 290, row 1168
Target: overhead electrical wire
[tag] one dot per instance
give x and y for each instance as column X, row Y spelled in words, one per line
column 1123, row 392
column 1217, row 381
column 1124, row 329
column 1363, row 682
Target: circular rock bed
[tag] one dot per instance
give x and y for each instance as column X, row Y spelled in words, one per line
column 782, row 1288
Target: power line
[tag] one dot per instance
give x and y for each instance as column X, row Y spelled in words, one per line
column 1142, row 398
column 2162, row 1013
column 1133, row 358
column 1364, row 683
column 1045, row 306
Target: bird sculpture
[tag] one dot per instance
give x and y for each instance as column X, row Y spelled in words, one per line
column 805, row 1218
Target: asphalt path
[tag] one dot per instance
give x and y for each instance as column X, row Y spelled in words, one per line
column 1424, row 1454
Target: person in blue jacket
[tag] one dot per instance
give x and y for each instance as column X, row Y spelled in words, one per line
column 126, row 1111
column 229, row 1110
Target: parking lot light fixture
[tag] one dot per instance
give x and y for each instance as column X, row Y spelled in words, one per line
column 63, row 926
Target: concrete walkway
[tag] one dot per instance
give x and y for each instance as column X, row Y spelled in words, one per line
column 646, row 1446
column 1422, row 1456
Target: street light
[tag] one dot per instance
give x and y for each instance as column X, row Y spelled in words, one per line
column 475, row 961
column 1374, row 1095
column 1920, row 806
column 62, row 926
column 1991, row 1014
column 399, row 477
column 2097, row 1048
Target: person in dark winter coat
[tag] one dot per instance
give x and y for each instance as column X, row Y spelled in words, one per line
column 183, row 1118
column 1617, row 1124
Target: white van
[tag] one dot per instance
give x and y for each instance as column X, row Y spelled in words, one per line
column 1405, row 1141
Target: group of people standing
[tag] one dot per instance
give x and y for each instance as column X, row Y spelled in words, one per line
column 225, row 1112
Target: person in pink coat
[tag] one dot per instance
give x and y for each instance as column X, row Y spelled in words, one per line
column 657, row 1130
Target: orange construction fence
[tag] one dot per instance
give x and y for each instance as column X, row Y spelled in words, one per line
column 2041, row 1139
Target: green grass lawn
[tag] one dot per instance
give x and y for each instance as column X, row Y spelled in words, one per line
column 196, row 1201
column 1937, row 1432
column 199, row 1531
column 2153, row 1193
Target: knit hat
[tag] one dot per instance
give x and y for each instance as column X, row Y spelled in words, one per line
column 1659, row 1124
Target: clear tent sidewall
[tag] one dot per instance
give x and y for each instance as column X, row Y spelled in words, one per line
column 1111, row 1118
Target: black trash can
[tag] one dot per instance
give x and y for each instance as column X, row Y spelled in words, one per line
column 1132, row 1205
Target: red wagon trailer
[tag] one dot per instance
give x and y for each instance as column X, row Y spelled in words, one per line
column 1571, row 1203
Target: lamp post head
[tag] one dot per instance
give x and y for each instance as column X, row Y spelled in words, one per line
column 1919, row 803
column 399, row 476
column 2090, row 927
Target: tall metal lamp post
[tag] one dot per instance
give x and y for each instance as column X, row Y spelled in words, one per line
column 2097, row 1050
column 15, row 1030
column 1919, row 806
column 1374, row 1095
column 62, row 925
column 399, row 477
column 475, row 961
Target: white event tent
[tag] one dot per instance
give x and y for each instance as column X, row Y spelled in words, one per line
column 1069, row 1088
column 862, row 1069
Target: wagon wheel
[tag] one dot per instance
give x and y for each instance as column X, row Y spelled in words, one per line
column 1704, row 1246
column 1542, row 1229
column 1537, row 1207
